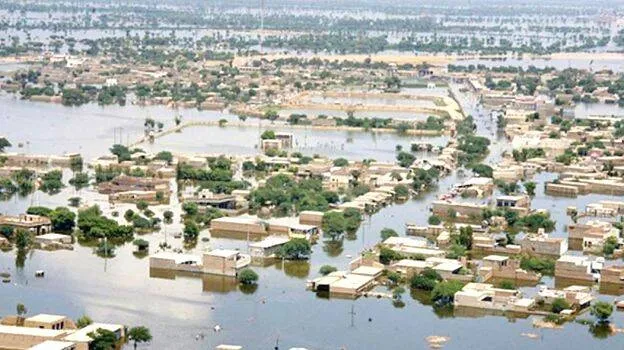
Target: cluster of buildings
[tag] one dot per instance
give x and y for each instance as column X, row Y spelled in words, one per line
column 51, row 332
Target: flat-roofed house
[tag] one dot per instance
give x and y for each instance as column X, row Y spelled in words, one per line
column 14, row 337
column 578, row 268
column 412, row 247
column 498, row 266
column 36, row 224
column 54, row 345
column 82, row 339
column 45, row 321
column 612, row 275
column 486, row 296
column 577, row 296
column 591, row 235
column 542, row 244
column 268, row 247
column 225, row 262
column 518, row 203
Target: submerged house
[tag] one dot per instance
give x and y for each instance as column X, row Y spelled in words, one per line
column 224, row 262
column 349, row 284
column 579, row 268
column 486, row 296
column 498, row 266
column 39, row 225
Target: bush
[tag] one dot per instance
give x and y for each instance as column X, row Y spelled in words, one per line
column 434, row 220
column 387, row 255
column 247, row 276
column 387, row 233
column 444, row 292
column 295, row 249
column 544, row 266
column 426, row 280
column 506, row 284
column 602, row 311
column 327, row 269
column 559, row 305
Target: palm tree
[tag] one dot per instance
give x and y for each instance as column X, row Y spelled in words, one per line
column 139, row 334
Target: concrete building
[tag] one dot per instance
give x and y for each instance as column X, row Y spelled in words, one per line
column 613, row 275
column 519, row 203
column 486, row 296
column 449, row 269
column 466, row 210
column 54, row 345
column 39, row 225
column 248, row 224
column 542, row 244
column 577, row 296
column 268, row 247
column 350, row 284
column 591, row 235
column 223, row 262
column 45, row 321
column 579, row 268
column 497, row 266
column 413, row 247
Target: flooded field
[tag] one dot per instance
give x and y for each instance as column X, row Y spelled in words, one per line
column 180, row 308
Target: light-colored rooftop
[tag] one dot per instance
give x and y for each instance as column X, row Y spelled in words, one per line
column 496, row 258
column 46, row 318
column 352, row 281
column 269, row 242
column 31, row 331
column 367, row 270
column 178, row 258
column 53, row 345
column 81, row 335
column 224, row 253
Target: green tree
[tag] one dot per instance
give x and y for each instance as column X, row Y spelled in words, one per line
column 559, row 304
column 295, row 249
column 483, row 170
column 4, row 143
column 63, row 220
column 444, row 292
column 434, row 220
column 405, row 159
column 190, row 208
column 191, row 231
column 247, row 276
column 83, row 321
column 333, row 223
column 22, row 239
column 21, row 312
column 139, row 334
column 602, row 311
column 142, row 205
column 327, row 269
column 268, row 135
column 529, row 186
column 102, row 340
column 341, row 162
column 387, row 233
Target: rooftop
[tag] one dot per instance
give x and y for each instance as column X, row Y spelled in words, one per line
column 53, row 345
column 46, row 318
column 31, row 331
column 81, row 335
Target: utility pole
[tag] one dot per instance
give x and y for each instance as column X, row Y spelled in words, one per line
column 261, row 24
column 352, row 313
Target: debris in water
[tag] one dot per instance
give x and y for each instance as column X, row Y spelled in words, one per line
column 437, row 341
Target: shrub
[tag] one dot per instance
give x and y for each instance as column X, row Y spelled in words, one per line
column 247, row 276
column 327, row 269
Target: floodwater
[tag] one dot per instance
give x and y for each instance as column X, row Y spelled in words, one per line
column 181, row 310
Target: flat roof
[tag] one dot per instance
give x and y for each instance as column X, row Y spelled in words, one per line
column 46, row 318
column 412, row 263
column 495, row 258
column 352, row 281
column 53, row 345
column 406, row 241
column 81, row 335
column 31, row 331
column 225, row 253
column 177, row 257
column 367, row 270
column 53, row 236
column 269, row 242
column 448, row 266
